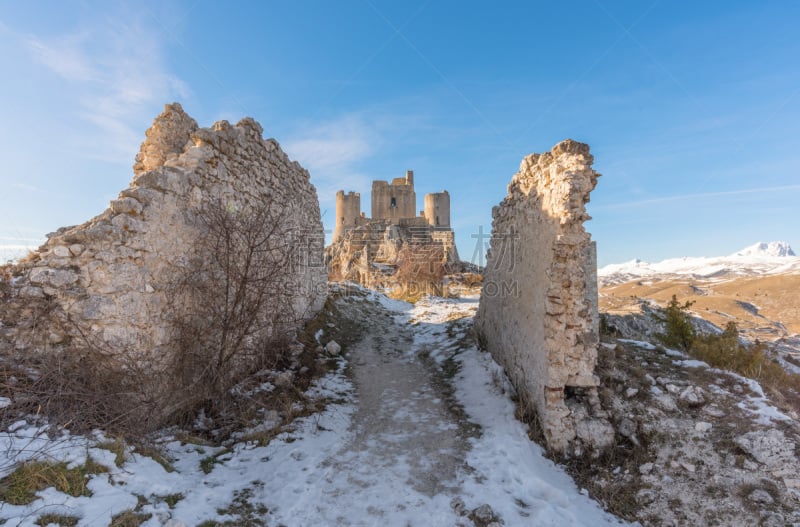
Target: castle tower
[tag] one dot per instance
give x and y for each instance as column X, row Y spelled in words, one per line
column 396, row 200
column 348, row 210
column 437, row 209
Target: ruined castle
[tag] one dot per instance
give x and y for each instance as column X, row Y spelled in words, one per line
column 360, row 242
column 395, row 203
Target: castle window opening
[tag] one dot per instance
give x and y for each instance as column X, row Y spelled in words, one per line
column 393, row 202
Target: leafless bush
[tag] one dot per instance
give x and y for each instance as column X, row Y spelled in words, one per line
column 232, row 305
column 78, row 382
column 420, row 270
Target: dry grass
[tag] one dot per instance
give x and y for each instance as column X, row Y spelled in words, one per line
column 116, row 447
column 61, row 520
column 20, row 487
column 420, row 271
column 774, row 296
column 129, row 518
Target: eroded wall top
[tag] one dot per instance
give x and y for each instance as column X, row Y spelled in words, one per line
column 108, row 274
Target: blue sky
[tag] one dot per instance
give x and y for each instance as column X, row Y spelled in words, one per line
column 691, row 108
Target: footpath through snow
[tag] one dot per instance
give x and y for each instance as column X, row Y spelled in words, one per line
column 420, row 431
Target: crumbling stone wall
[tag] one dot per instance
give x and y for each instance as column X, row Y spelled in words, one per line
column 536, row 314
column 109, row 276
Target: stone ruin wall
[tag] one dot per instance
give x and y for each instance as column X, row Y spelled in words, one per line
column 107, row 274
column 538, row 307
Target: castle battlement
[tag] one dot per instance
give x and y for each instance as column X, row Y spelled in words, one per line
column 395, row 202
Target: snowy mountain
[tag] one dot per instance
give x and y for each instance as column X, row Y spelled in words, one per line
column 755, row 260
column 777, row 249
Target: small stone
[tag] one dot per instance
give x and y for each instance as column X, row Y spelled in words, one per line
column 702, row 426
column 61, row 252
column 645, row 469
column 31, row 292
column 56, row 337
column 630, row 392
column 645, row 497
column 76, row 249
column 53, row 277
column 595, row 432
column 284, row 378
column 627, row 428
column 792, row 483
column 332, row 348
column 458, row 506
column 688, row 467
column 760, row 496
column 693, row 396
column 773, row 519
column 714, row 411
column 483, row 514
column 126, row 206
column 671, row 388
column 649, row 378
column 750, row 465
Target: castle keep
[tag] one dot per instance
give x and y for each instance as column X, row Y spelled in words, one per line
column 360, row 241
column 395, row 203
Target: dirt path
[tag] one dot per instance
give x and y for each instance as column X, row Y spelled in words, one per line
column 403, row 424
column 432, row 438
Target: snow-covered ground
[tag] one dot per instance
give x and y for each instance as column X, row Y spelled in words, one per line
column 420, row 428
column 759, row 259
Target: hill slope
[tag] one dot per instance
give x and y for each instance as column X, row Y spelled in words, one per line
column 755, row 287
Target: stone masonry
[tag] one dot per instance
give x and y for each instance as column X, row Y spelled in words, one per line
column 538, row 307
column 108, row 274
column 366, row 249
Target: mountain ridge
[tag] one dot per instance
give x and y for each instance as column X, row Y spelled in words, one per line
column 762, row 258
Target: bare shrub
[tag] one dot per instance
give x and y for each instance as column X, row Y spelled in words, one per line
column 421, row 268
column 232, row 306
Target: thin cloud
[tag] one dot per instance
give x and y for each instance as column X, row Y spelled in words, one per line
column 703, row 195
column 65, row 56
column 23, row 186
column 333, row 145
column 118, row 71
column 333, row 151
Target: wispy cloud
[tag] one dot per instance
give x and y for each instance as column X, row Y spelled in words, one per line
column 65, row 55
column 333, row 151
column 117, row 70
column 702, row 195
column 23, row 186
column 332, row 145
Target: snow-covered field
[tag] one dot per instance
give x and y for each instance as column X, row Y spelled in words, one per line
column 385, row 452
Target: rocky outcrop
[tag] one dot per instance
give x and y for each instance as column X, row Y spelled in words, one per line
column 538, row 307
column 110, row 276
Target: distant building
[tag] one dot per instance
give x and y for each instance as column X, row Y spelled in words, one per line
column 395, row 205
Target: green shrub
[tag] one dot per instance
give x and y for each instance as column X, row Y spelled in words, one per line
column 678, row 329
column 725, row 351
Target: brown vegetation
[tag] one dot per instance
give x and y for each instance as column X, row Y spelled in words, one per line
column 233, row 323
column 420, row 271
